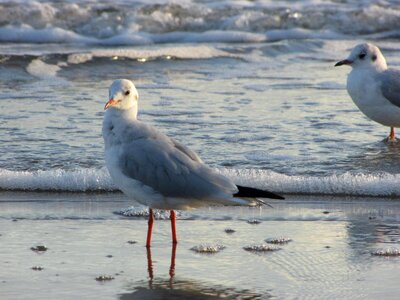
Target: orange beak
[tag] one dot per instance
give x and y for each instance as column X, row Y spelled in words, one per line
column 110, row 102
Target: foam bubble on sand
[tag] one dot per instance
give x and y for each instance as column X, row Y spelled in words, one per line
column 143, row 212
column 254, row 221
column 103, row 278
column 261, row 248
column 390, row 252
column 207, row 248
column 39, row 248
column 278, row 240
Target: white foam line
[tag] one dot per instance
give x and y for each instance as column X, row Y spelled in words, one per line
column 347, row 184
column 81, row 180
column 92, row 180
column 28, row 34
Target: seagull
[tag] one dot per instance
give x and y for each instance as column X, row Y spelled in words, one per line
column 374, row 88
column 158, row 171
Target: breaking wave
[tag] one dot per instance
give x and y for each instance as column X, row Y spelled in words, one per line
column 98, row 180
column 147, row 22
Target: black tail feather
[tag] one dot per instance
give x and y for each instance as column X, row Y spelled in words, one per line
column 248, row 192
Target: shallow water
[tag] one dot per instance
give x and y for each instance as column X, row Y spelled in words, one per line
column 330, row 255
column 254, row 108
column 250, row 86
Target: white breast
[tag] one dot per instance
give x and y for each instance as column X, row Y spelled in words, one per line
column 365, row 92
column 131, row 187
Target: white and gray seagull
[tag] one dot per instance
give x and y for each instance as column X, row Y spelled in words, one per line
column 158, row 171
column 374, row 88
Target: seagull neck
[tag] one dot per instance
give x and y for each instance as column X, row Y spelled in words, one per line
column 380, row 67
column 370, row 70
column 130, row 113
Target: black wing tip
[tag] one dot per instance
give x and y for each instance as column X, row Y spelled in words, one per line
column 274, row 196
column 248, row 192
column 279, row 197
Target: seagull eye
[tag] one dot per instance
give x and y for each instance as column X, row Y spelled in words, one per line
column 361, row 55
column 127, row 93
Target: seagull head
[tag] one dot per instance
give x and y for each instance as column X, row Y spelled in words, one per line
column 365, row 56
column 122, row 95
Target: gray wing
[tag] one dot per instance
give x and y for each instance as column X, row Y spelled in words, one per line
column 390, row 85
column 170, row 168
column 193, row 155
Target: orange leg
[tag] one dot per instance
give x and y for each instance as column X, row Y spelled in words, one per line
column 149, row 264
column 150, row 228
column 392, row 136
column 172, row 267
column 173, row 226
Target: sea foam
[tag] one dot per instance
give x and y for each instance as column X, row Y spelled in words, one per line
column 28, row 34
column 98, row 180
column 168, row 52
column 80, row 180
column 143, row 22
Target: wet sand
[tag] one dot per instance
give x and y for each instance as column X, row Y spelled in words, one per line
column 82, row 248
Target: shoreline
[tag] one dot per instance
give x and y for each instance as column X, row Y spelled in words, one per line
column 330, row 253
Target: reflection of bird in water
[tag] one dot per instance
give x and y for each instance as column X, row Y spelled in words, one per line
column 183, row 289
column 150, row 263
column 157, row 170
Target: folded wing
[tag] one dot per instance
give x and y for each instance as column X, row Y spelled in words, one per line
column 390, row 85
column 170, row 168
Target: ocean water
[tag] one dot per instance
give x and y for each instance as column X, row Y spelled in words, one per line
column 249, row 85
